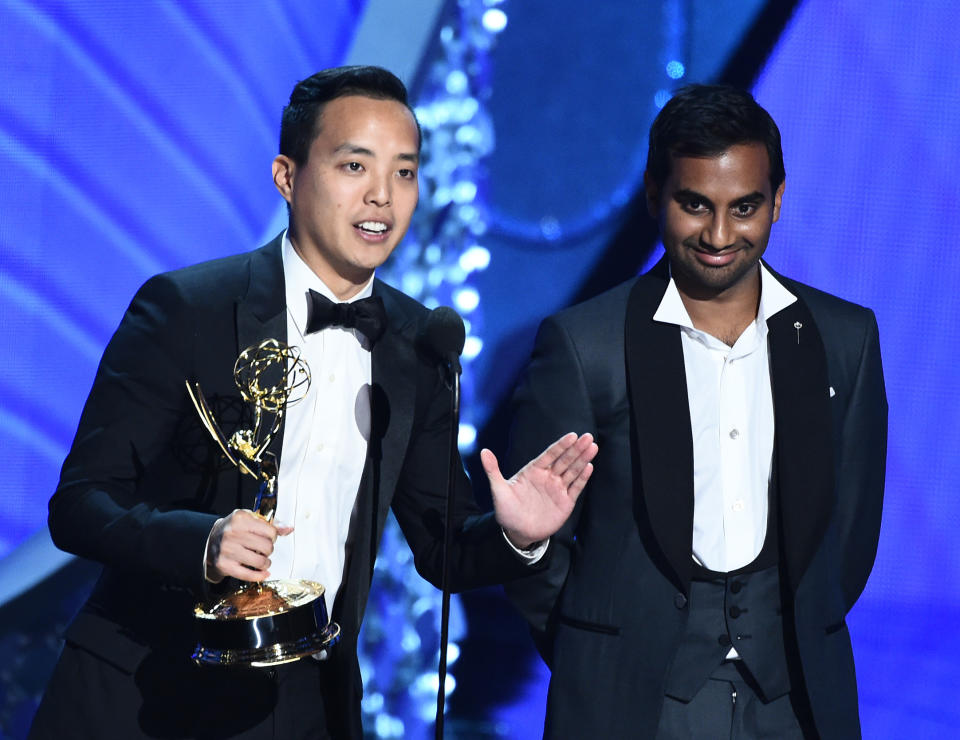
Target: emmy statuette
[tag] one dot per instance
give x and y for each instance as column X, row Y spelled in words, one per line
column 277, row 621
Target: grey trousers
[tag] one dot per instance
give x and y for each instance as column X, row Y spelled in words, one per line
column 727, row 708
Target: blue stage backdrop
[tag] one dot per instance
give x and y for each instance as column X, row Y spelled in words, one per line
column 136, row 137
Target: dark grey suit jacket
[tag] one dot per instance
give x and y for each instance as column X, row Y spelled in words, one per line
column 143, row 483
column 609, row 611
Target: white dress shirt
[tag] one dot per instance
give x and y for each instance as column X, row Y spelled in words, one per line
column 731, row 417
column 324, row 439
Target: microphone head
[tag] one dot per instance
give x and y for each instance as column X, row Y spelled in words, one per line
column 443, row 333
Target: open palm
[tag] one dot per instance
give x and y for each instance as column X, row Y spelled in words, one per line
column 534, row 503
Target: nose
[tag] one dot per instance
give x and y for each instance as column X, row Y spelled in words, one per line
column 379, row 191
column 717, row 233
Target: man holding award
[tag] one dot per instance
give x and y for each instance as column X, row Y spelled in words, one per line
column 148, row 490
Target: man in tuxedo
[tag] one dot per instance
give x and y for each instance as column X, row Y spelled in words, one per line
column 146, row 492
column 700, row 588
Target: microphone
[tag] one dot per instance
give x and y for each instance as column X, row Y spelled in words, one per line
column 443, row 336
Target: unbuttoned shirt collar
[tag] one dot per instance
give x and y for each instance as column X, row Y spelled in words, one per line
column 774, row 297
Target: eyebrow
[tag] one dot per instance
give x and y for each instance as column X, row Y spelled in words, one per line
column 348, row 148
column 687, row 194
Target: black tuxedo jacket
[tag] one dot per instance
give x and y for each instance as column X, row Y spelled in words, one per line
column 609, row 611
column 143, row 483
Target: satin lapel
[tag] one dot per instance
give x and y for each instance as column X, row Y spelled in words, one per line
column 657, row 387
column 804, row 451
column 394, row 372
column 261, row 314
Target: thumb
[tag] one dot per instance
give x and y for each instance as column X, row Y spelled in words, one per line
column 491, row 467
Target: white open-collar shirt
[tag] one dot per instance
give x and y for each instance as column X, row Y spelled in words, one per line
column 731, row 417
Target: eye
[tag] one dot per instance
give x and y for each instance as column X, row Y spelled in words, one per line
column 695, row 205
column 745, row 210
column 353, row 167
column 407, row 174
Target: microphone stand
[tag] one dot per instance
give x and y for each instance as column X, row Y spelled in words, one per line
column 454, row 385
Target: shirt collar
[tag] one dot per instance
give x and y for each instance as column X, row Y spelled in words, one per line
column 300, row 279
column 774, row 297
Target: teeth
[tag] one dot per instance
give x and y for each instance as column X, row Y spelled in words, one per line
column 375, row 226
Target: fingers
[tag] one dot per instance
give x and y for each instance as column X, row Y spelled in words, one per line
column 491, row 467
column 240, row 546
column 574, row 453
column 586, row 449
column 577, row 485
column 555, row 451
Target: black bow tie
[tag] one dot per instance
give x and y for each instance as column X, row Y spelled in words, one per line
column 367, row 315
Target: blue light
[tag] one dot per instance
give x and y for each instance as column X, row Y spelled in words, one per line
column 550, row 227
column 675, row 70
column 466, row 299
column 661, row 98
column 464, row 191
column 494, row 20
column 466, row 438
column 433, row 253
column 475, row 258
column 472, row 347
column 457, row 82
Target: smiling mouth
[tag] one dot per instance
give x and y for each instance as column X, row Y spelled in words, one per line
column 374, row 228
column 716, row 258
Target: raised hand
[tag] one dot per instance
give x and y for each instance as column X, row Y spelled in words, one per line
column 240, row 545
column 535, row 503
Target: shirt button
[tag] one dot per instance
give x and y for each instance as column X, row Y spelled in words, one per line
column 332, row 377
column 734, row 434
column 307, row 515
column 738, row 505
column 320, row 447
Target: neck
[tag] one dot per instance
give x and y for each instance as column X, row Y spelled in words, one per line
column 724, row 315
column 343, row 284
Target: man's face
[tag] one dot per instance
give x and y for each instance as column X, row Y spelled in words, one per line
column 351, row 202
column 715, row 215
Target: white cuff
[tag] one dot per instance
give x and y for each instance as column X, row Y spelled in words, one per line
column 531, row 555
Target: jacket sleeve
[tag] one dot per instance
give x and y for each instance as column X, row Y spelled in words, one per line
column 99, row 510
column 862, row 452
column 552, row 400
column 479, row 554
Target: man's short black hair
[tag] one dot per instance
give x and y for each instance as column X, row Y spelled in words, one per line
column 300, row 123
column 706, row 120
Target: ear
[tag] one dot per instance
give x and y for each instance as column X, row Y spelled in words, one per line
column 777, row 199
column 284, row 169
column 652, row 194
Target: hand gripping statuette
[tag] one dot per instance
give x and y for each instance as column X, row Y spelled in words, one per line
column 277, row 621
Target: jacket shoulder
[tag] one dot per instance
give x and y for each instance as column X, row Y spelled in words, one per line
column 604, row 309
column 823, row 302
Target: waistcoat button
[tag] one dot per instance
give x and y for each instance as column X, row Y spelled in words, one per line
column 679, row 601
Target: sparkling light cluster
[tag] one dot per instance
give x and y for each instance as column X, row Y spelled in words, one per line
column 400, row 641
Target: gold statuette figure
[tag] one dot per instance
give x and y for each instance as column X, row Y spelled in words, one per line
column 277, row 621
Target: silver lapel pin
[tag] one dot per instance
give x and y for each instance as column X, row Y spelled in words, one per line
column 798, row 326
